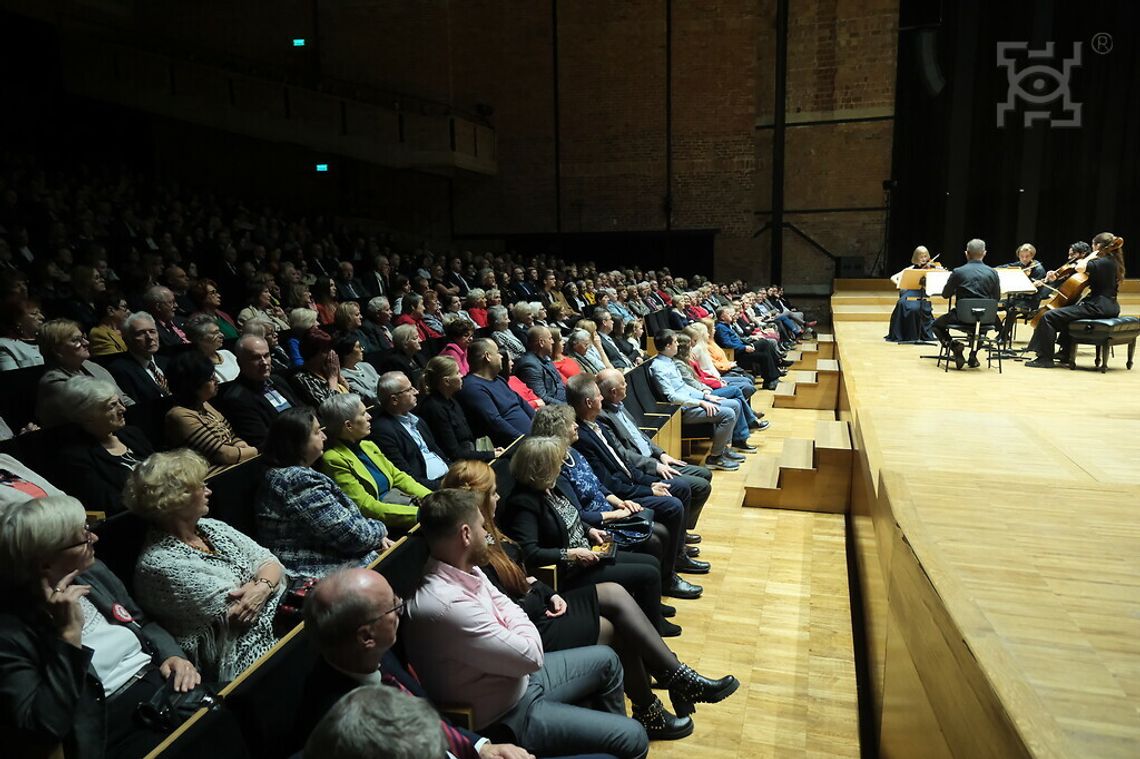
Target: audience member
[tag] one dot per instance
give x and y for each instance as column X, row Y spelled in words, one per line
column 193, row 422
column 66, row 355
column 405, row 355
column 377, row 327
column 361, row 375
column 19, row 483
column 459, row 333
column 159, row 302
column 141, row 372
column 208, row 301
column 204, row 334
column 252, row 401
column 319, row 376
column 377, row 722
column 212, row 587
column 20, row 321
column 403, row 437
column 492, row 407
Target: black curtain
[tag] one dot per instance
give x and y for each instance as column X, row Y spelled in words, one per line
column 961, row 175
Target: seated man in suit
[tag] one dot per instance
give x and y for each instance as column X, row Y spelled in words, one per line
column 252, row 401
column 471, row 643
column 605, row 321
column 159, row 302
column 402, row 436
column 537, row 371
column 667, row 500
column 352, row 616
column 373, row 721
column 347, row 286
column 640, row 452
column 492, row 408
column 972, row 279
column 140, row 372
column 377, row 326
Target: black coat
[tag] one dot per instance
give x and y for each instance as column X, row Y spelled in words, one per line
column 535, row 526
column 49, row 692
column 411, row 366
column 636, row 484
column 395, row 443
column 135, row 380
column 247, row 409
column 449, row 425
column 87, row 471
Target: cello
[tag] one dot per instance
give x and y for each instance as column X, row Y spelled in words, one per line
column 1072, row 288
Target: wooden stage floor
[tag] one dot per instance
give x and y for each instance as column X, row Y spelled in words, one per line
column 998, row 544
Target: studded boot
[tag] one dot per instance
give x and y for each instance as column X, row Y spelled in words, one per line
column 659, row 724
column 687, row 688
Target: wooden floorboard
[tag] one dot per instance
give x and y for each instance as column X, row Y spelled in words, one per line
column 776, row 614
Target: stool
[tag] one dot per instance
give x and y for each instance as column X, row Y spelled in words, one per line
column 1104, row 333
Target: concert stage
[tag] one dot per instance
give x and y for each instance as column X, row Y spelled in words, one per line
column 997, row 544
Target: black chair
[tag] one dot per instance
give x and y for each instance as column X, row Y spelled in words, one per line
column 18, row 401
column 1103, row 334
column 235, row 493
column 976, row 318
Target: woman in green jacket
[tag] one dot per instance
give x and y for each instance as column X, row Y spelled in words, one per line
column 368, row 478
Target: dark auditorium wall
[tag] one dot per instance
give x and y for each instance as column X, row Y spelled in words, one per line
column 582, row 107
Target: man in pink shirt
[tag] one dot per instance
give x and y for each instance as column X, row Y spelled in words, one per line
column 470, row 643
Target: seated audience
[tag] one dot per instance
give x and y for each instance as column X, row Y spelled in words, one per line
column 578, row 346
column 759, row 357
column 361, row 375
column 412, row 314
column 66, row 355
column 405, row 355
column 141, row 372
column 303, row 517
column 377, row 328
column 349, row 323
column 492, row 407
column 301, row 322
column 264, row 329
column 630, row 342
column 459, row 333
column 193, row 422
column 212, row 587
column 208, row 301
column 378, row 488
column 352, row 616
column 106, row 336
column 499, row 324
column 535, row 369
column 443, row 415
column 325, row 300
column 202, row 329
column 746, row 418
column 471, row 643
column 377, row 721
column 20, row 321
column 159, row 302
column 605, row 321
column 97, row 458
column 591, row 614
column 695, row 406
column 252, row 401
column 261, row 307
column 319, row 376
column 70, row 636
column 475, row 303
column 565, row 365
column 403, row 437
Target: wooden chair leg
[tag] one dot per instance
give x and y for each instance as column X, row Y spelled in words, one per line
column 1131, row 352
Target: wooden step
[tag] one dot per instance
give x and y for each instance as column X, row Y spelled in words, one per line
column 797, row 454
column 808, row 475
column 826, row 365
column 801, row 377
column 826, row 345
column 810, row 389
column 832, row 435
column 785, row 390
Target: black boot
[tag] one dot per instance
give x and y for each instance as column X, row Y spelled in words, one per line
column 659, row 724
column 687, row 688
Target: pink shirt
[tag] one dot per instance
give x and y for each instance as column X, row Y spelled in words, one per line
column 452, row 350
column 469, row 643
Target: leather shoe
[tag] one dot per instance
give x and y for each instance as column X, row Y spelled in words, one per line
column 772, row 385
column 668, row 629
column 692, row 551
column 956, row 349
column 691, row 566
column 1040, row 363
column 668, row 611
column 973, row 363
column 742, row 446
column 679, row 588
column 692, row 537
column 759, row 425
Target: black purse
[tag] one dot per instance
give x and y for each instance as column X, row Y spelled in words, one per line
column 631, row 530
column 167, row 708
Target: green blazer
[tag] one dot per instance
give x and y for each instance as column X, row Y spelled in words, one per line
column 342, row 465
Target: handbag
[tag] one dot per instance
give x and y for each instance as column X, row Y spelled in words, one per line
column 631, row 530
column 168, row 708
column 290, row 610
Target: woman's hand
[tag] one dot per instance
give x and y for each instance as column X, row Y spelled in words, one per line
column 247, row 602
column 597, row 537
column 386, row 543
column 63, row 606
column 621, row 513
column 1051, row 276
column 632, row 506
column 582, row 556
column 557, row 606
column 186, row 676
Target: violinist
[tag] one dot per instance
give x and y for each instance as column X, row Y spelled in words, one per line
column 972, row 279
column 912, row 318
column 1104, row 270
column 1023, row 304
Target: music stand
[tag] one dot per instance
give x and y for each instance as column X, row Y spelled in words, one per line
column 912, row 279
column 1013, row 282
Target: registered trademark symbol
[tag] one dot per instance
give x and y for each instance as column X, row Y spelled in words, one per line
column 1102, row 43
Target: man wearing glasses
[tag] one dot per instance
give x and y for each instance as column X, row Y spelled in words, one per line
column 353, row 616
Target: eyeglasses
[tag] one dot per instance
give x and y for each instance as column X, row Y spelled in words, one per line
column 89, row 537
column 407, row 389
column 398, row 609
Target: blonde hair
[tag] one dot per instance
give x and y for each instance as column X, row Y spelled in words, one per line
column 588, row 325
column 554, row 420
column 438, row 367
column 343, row 316
column 538, row 461
column 302, row 318
column 53, row 334
column 164, row 483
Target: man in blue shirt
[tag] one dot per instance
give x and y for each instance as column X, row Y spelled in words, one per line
column 491, row 406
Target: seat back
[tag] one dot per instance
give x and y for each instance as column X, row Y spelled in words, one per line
column 235, row 494
column 18, row 401
column 403, row 566
column 966, row 307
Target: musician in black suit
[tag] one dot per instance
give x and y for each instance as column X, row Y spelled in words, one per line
column 141, row 372
column 1022, row 304
column 402, row 436
column 353, row 616
column 972, row 279
column 252, row 401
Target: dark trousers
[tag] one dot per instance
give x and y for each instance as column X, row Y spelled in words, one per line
column 639, row 573
column 1054, row 326
column 699, row 481
column 669, row 512
column 762, row 361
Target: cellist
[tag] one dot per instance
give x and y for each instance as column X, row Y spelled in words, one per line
column 1105, row 271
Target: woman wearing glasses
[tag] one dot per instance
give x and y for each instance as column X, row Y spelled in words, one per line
column 77, row 654
column 67, row 353
column 212, row 587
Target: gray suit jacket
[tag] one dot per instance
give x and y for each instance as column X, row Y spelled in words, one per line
column 626, row 446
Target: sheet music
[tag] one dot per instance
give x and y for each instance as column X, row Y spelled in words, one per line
column 1013, row 281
